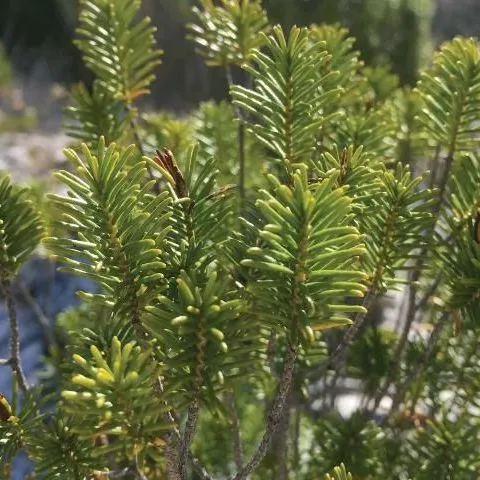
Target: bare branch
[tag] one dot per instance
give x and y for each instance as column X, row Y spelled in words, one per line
column 121, row 473
column 241, row 144
column 198, row 467
column 173, row 439
column 430, row 291
column 14, row 336
column 274, row 416
column 402, row 342
column 280, row 442
column 237, row 441
column 43, row 320
column 413, row 306
column 190, row 427
column 171, row 457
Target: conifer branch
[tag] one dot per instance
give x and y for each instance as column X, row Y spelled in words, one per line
column 171, row 458
column 15, row 361
column 413, row 306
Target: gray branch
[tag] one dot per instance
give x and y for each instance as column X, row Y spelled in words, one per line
column 14, row 336
column 190, row 427
column 274, row 416
column 237, row 441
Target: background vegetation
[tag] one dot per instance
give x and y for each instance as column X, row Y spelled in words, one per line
column 37, row 36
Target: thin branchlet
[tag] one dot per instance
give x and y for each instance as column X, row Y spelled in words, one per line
column 189, row 433
column 419, row 369
column 14, row 360
column 236, row 434
column 274, row 416
column 414, row 306
column 337, row 357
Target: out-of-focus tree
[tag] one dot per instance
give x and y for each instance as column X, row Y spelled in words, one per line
column 39, row 33
column 5, row 71
column 183, row 79
column 396, row 32
column 453, row 18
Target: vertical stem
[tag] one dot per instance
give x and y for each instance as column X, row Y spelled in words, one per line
column 43, row 320
column 241, row 145
column 274, row 417
column 14, row 336
column 281, row 442
column 241, row 164
column 332, row 388
column 237, row 440
column 171, row 458
column 271, row 347
column 198, row 467
column 296, row 437
column 413, row 306
column 410, row 317
column 190, row 427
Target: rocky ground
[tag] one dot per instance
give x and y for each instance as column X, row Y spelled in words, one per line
column 32, row 154
column 31, row 138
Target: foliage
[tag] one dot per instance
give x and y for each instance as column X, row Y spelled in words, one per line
column 95, row 114
column 120, row 52
column 239, row 252
column 284, row 100
column 20, row 227
column 339, row 473
column 227, row 34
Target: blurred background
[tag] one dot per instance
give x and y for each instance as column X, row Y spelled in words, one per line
column 39, row 63
column 38, row 60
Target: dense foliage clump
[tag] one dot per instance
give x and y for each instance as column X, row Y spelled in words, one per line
column 239, row 255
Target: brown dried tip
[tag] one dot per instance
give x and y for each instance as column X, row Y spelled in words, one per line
column 5, row 409
column 166, row 160
column 476, row 228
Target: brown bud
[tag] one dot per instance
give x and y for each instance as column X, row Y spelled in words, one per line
column 5, row 409
column 166, row 160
